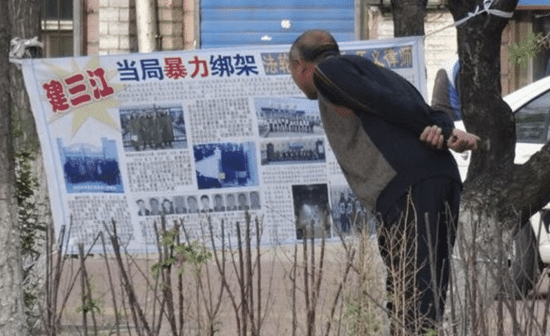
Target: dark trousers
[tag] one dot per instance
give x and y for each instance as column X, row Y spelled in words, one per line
column 416, row 241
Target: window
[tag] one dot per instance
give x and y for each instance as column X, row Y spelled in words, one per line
column 58, row 43
column 58, row 10
column 57, row 28
column 533, row 120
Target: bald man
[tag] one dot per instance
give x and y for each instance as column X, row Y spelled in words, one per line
column 393, row 150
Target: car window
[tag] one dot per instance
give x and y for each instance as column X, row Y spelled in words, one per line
column 533, row 120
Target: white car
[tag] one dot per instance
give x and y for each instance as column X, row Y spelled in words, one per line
column 531, row 107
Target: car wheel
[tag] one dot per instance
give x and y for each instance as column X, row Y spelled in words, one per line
column 523, row 264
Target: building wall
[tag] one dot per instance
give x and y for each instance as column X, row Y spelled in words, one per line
column 170, row 17
column 117, row 27
column 111, row 26
column 92, row 27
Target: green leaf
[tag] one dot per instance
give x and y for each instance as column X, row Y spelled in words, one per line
column 520, row 53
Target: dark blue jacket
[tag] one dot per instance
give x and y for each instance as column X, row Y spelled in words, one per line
column 390, row 115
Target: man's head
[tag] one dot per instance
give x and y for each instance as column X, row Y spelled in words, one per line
column 141, row 203
column 179, row 202
column 218, row 200
column 205, row 201
column 243, row 201
column 254, row 199
column 230, row 199
column 192, row 203
column 308, row 49
column 154, row 203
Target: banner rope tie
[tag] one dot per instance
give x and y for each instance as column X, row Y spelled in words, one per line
column 486, row 9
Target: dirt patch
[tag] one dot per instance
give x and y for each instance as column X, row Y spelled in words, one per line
column 277, row 291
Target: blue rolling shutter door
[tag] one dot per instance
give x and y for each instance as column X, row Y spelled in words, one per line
column 227, row 23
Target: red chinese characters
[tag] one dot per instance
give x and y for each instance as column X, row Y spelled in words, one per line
column 174, row 68
column 101, row 89
column 75, row 90
column 56, row 96
column 198, row 63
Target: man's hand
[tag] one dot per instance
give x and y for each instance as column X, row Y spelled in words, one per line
column 432, row 136
column 461, row 141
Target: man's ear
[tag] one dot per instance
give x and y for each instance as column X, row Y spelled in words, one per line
column 305, row 67
column 300, row 66
column 296, row 64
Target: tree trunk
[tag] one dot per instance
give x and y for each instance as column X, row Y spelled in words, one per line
column 499, row 196
column 25, row 15
column 408, row 17
column 12, row 318
column 25, row 18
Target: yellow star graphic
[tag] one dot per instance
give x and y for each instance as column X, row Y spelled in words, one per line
column 97, row 109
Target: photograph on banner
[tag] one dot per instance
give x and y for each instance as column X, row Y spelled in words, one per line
column 292, row 151
column 311, row 208
column 155, row 206
column 198, row 203
column 88, row 168
column 287, row 117
column 152, row 127
column 348, row 215
column 226, row 165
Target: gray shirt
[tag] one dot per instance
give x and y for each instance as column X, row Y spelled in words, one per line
column 363, row 165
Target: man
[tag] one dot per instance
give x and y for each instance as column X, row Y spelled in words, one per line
column 143, row 127
column 143, row 211
column 243, row 202
column 339, row 212
column 166, row 129
column 133, row 130
column 205, row 201
column 179, row 202
column 445, row 95
column 155, row 207
column 218, row 203
column 392, row 148
column 167, row 207
column 254, row 200
column 230, row 201
column 192, row 205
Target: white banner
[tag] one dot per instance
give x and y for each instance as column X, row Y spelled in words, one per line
column 193, row 135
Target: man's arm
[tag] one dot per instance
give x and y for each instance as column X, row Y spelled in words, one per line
column 366, row 88
column 459, row 141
